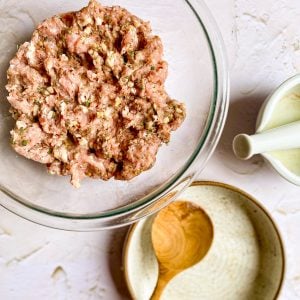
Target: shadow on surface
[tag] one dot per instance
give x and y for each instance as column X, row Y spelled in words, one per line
column 116, row 261
column 241, row 118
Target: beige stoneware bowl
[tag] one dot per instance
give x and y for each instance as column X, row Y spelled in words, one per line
column 246, row 259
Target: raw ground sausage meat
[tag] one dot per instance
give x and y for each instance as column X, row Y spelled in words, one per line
column 87, row 93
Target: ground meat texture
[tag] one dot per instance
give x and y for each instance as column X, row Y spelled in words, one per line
column 88, row 95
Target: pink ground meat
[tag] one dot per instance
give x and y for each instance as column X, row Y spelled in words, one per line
column 87, row 93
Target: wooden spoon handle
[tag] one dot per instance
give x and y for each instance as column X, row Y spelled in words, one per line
column 160, row 286
column 163, row 280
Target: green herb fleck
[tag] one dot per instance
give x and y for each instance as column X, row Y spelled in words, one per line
column 21, row 130
column 41, row 90
column 87, row 103
column 131, row 54
column 152, row 68
column 12, row 141
column 107, row 17
column 24, row 143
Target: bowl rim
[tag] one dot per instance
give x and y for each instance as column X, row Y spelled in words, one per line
column 252, row 199
column 207, row 144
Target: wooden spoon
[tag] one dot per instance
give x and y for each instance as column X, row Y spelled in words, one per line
column 182, row 234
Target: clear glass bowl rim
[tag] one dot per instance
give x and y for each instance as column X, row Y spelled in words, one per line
column 205, row 148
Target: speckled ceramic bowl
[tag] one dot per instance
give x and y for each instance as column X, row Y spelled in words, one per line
column 246, row 259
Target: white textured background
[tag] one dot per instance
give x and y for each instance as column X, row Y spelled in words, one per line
column 263, row 43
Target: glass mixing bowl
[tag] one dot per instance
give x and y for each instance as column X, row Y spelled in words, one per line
column 197, row 75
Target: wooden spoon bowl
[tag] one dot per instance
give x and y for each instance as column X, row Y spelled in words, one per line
column 182, row 234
